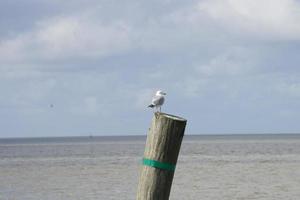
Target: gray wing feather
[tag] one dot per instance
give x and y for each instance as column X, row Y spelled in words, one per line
column 158, row 100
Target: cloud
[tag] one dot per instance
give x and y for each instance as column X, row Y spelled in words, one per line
column 89, row 105
column 288, row 86
column 82, row 37
column 267, row 19
column 62, row 38
column 92, row 33
column 228, row 60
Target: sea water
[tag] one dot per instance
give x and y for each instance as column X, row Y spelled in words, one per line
column 265, row 167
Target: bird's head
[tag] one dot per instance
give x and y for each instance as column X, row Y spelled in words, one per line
column 160, row 93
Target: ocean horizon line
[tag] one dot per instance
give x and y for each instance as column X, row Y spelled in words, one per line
column 144, row 135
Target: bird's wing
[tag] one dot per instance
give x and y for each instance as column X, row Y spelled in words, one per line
column 158, row 100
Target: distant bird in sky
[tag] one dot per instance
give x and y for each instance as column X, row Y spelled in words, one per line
column 158, row 100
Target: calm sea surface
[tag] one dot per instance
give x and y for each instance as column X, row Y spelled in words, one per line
column 209, row 167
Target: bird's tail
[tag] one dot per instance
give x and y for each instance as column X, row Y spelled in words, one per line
column 151, row 106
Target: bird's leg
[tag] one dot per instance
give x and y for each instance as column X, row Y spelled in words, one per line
column 159, row 108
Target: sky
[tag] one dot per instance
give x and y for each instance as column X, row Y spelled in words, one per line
column 90, row 67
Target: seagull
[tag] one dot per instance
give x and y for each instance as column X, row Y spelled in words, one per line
column 158, row 100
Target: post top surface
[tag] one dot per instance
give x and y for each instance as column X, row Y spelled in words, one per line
column 171, row 116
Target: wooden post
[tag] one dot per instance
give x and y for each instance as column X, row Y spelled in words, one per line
column 160, row 157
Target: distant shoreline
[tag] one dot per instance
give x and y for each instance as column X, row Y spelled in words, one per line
column 91, row 138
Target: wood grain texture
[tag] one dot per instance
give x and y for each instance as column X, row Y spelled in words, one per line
column 163, row 145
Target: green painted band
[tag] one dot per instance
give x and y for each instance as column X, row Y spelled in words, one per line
column 157, row 164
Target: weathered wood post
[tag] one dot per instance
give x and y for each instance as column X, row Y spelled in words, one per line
column 160, row 157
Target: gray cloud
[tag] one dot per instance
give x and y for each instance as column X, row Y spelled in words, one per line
column 99, row 62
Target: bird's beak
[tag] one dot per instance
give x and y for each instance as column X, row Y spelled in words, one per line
column 164, row 93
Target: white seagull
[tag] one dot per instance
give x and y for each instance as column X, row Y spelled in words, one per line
column 158, row 100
